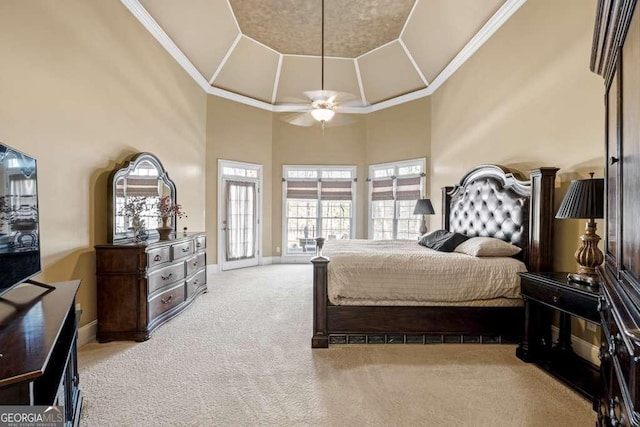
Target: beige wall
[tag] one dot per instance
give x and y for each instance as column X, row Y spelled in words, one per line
column 240, row 133
column 82, row 86
column 526, row 99
column 296, row 145
column 399, row 133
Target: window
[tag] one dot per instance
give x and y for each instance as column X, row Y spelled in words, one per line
column 318, row 202
column 393, row 191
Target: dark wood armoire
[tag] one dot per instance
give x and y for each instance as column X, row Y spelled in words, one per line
column 616, row 56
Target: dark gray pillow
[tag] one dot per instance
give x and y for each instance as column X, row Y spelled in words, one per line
column 446, row 242
column 434, row 236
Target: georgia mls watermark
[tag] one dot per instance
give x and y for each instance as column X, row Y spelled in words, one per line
column 31, row 416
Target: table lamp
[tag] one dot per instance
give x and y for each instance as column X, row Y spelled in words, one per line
column 423, row 207
column 585, row 200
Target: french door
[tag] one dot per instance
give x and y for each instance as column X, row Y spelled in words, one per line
column 239, row 214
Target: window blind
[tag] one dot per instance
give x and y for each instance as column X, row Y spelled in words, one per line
column 138, row 187
column 335, row 190
column 302, row 189
column 382, row 189
column 408, row 188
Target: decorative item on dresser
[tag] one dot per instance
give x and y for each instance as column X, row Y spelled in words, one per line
column 423, row 208
column 585, row 200
column 616, row 56
column 142, row 286
column 490, row 201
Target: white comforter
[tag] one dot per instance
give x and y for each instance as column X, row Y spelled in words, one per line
column 401, row 272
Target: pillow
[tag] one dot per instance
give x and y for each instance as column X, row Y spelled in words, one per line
column 487, row 247
column 442, row 240
column 429, row 238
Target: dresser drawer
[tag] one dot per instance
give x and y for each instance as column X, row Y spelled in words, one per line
column 165, row 276
column 181, row 250
column 166, row 301
column 196, row 282
column 572, row 302
column 201, row 243
column 158, row 256
column 620, row 350
column 195, row 263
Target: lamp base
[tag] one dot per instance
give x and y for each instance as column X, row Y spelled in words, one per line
column 583, row 279
column 588, row 257
column 423, row 226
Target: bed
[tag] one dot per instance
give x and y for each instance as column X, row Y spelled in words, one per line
column 491, row 201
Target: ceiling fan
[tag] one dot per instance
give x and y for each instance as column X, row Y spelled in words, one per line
column 323, row 103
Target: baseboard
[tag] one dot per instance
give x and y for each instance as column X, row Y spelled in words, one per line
column 295, row 259
column 267, row 260
column 213, row 268
column 87, row 333
column 582, row 348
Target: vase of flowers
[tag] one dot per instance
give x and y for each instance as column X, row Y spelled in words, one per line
column 132, row 209
column 167, row 209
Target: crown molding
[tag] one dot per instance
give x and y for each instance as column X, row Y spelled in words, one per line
column 491, row 26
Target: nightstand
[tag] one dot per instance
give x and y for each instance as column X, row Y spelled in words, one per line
column 543, row 293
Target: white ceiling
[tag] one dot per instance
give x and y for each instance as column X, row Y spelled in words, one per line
column 265, row 53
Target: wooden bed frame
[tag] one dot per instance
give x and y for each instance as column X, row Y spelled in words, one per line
column 427, row 324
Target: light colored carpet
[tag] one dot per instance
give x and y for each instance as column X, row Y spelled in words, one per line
column 241, row 356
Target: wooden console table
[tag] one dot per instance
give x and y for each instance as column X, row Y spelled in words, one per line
column 543, row 292
column 38, row 343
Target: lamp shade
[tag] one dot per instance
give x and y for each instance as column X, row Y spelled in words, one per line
column 584, row 199
column 322, row 114
column 423, row 207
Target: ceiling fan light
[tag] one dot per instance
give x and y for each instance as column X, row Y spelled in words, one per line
column 322, row 114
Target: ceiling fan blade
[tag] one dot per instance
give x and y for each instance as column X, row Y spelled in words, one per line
column 342, row 98
column 293, row 100
column 342, row 120
column 299, row 119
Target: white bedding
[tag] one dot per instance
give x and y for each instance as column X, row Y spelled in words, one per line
column 401, row 272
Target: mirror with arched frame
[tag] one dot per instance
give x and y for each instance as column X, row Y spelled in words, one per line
column 142, row 181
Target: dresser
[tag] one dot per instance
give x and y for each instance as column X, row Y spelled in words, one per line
column 616, row 57
column 143, row 285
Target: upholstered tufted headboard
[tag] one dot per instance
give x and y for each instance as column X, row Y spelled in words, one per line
column 495, row 201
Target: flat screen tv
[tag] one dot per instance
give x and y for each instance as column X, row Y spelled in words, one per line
column 19, row 231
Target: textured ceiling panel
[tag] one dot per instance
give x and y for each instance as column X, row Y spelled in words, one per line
column 450, row 24
column 302, row 73
column 250, row 70
column 387, row 73
column 203, row 31
column 352, row 27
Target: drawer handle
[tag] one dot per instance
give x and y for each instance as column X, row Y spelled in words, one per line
column 167, row 300
column 556, row 298
column 195, row 282
column 194, row 263
column 603, row 354
column 198, row 245
column 167, row 277
column 186, row 249
column 157, row 257
column 612, row 348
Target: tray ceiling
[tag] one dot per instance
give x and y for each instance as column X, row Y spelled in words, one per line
column 266, row 52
